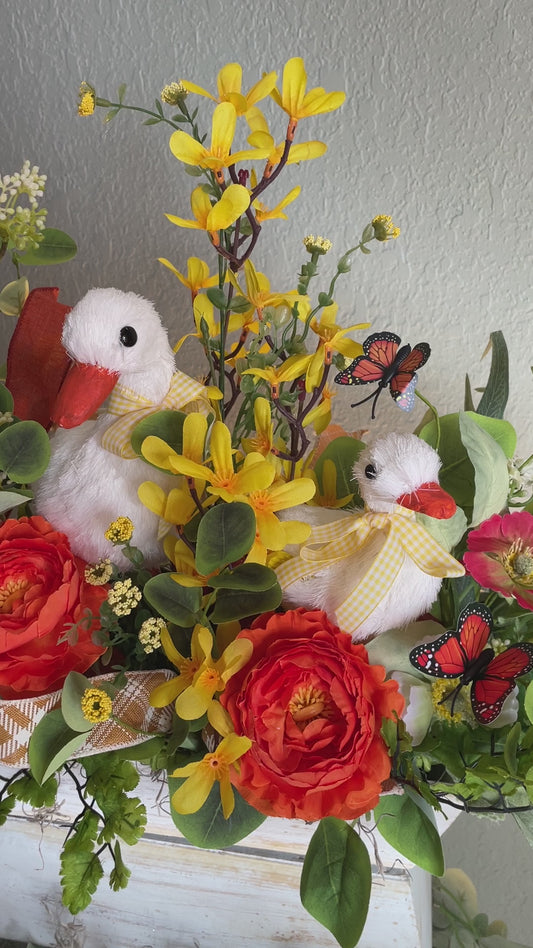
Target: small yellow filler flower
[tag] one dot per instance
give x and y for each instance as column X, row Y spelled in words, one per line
column 318, row 245
column 99, row 574
column 96, row 705
column 150, row 634
column 87, row 99
column 384, row 229
column 123, row 597
column 120, row 531
column 174, row 93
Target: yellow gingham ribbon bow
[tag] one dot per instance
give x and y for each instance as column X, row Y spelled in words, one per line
column 333, row 542
column 132, row 408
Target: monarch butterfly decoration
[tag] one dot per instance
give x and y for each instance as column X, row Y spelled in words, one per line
column 386, row 362
column 461, row 653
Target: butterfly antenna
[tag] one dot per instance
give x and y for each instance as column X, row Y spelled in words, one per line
column 367, row 399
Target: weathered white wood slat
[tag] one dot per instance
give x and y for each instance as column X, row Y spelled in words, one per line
column 183, row 897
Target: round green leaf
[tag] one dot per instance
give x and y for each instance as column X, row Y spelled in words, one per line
column 167, row 425
column 12, row 298
column 179, row 604
column 336, row 880
column 237, row 604
column 24, row 451
column 207, row 828
column 51, row 745
column 225, row 534
column 250, row 576
column 407, row 823
column 6, row 399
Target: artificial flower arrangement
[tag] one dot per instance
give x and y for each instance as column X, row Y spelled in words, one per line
column 240, row 621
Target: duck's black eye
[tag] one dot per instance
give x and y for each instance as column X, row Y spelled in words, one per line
column 370, row 472
column 128, row 336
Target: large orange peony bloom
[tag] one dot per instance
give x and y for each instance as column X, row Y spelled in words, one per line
column 312, row 706
column 42, row 592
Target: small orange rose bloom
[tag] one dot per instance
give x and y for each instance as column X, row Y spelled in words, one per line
column 312, row 706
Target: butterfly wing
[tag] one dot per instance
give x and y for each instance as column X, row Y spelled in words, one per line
column 443, row 658
column 413, row 360
column 379, row 353
column 405, row 400
column 498, row 680
column 453, row 653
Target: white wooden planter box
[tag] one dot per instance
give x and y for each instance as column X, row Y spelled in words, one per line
column 182, row 897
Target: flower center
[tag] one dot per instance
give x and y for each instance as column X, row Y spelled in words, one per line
column 308, row 703
column 518, row 563
column 11, row 593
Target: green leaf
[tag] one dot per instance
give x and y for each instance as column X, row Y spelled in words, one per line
column 73, row 690
column 27, row 790
column 81, row 871
column 119, row 875
column 55, row 247
column 225, row 534
column 494, row 398
column 407, row 822
column 167, row 425
column 52, row 743
column 446, row 532
column 469, row 403
column 24, row 451
column 344, row 452
column 463, row 473
column 237, row 604
column 218, row 298
column 336, row 880
column 207, row 828
column 178, row 604
column 6, row 399
column 6, row 805
column 13, row 297
column 528, row 701
column 9, row 499
column 239, row 304
column 121, row 92
column 491, row 475
column 152, row 121
column 249, row 576
column 125, row 817
column 510, row 748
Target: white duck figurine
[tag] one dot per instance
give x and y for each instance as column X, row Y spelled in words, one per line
column 118, row 345
column 375, row 569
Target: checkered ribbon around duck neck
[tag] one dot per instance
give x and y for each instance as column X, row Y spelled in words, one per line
column 332, row 543
column 131, row 408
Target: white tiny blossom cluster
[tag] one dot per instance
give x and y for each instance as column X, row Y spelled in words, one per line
column 520, row 480
column 123, row 597
column 150, row 634
column 20, row 224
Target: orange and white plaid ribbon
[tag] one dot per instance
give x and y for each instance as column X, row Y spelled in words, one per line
column 20, row 717
column 331, row 543
column 131, row 408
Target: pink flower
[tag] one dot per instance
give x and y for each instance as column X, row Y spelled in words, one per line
column 500, row 556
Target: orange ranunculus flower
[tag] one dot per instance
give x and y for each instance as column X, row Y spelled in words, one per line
column 42, row 592
column 312, row 706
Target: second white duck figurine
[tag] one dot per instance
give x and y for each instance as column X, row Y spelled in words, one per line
column 375, row 569
column 118, row 346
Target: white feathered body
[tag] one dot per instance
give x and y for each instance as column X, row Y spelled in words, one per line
column 86, row 487
column 402, row 464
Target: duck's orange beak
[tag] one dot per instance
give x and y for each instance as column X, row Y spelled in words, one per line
column 430, row 499
column 84, row 389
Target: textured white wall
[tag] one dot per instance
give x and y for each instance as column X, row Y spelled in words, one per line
column 436, row 131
